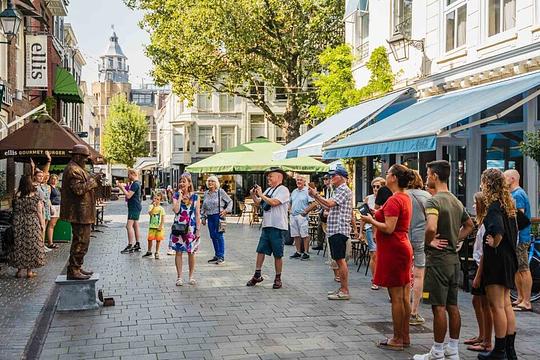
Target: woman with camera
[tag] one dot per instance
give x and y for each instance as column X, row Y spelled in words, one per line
column 186, row 228
column 394, row 252
column 215, row 206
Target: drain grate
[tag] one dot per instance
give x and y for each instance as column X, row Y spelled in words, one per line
column 385, row 327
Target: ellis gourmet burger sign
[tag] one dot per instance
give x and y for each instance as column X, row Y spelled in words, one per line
column 36, row 61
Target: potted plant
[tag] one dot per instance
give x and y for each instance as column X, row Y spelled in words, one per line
column 531, row 148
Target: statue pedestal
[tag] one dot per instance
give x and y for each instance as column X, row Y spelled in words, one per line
column 77, row 294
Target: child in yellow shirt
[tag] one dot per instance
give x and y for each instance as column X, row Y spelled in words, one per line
column 157, row 219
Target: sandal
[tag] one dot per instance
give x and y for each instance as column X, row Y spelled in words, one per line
column 479, row 347
column 473, row 341
column 385, row 344
column 521, row 308
column 192, row 281
column 254, row 281
column 179, row 282
column 31, row 274
column 337, row 279
column 52, row 246
column 374, row 287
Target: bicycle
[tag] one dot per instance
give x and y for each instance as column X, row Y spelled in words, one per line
column 534, row 266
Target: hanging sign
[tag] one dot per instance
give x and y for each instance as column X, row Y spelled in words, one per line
column 36, row 61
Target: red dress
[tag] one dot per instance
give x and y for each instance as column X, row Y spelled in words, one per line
column 394, row 251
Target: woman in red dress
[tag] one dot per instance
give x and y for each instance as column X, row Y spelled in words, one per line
column 394, row 253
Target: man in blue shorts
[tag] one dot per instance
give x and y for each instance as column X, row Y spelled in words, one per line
column 275, row 204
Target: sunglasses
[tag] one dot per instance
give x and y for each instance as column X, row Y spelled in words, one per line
column 376, row 186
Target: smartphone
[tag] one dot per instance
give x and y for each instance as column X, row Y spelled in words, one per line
column 364, row 209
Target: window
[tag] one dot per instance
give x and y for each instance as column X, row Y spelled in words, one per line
column 204, row 102
column 456, row 24
column 361, row 28
column 111, row 64
column 281, row 134
column 402, row 17
column 227, row 137
column 258, row 126
column 206, row 139
column 281, row 94
column 178, row 140
column 501, row 151
column 501, row 16
column 257, row 89
column 226, row 103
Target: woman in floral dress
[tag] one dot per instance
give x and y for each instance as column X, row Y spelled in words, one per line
column 186, row 207
column 28, row 229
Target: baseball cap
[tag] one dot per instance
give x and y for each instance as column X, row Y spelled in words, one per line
column 339, row 171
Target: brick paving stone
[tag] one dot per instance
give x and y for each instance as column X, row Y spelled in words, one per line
column 221, row 318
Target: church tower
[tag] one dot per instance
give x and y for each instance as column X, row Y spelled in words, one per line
column 113, row 65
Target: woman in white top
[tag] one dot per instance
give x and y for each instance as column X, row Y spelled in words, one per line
column 482, row 342
column 376, row 184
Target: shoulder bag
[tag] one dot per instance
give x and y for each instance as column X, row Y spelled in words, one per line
column 222, row 224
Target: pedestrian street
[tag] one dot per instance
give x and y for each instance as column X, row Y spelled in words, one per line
column 221, row 318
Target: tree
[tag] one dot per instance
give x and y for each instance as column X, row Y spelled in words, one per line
column 126, row 132
column 243, row 47
column 336, row 88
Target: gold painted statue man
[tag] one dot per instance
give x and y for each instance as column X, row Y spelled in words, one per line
column 78, row 206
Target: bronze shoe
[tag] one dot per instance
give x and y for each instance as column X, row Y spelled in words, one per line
column 77, row 276
column 89, row 273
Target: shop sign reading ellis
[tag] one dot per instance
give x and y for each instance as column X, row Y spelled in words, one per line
column 36, row 61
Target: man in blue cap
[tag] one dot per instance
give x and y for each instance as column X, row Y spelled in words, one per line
column 338, row 226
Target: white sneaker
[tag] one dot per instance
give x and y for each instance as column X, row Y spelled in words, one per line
column 429, row 356
column 171, row 252
column 47, row 249
column 451, row 354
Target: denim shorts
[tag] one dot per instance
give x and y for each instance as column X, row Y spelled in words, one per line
column 372, row 246
column 272, row 241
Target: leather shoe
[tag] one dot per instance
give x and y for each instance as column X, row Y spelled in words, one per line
column 89, row 273
column 77, row 276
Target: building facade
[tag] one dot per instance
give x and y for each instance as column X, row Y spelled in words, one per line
column 214, row 123
column 453, row 46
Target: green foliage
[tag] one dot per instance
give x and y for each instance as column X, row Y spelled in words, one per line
column 531, row 146
column 50, row 104
column 126, row 132
column 336, row 86
column 233, row 46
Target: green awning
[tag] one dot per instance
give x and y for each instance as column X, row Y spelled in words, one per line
column 255, row 156
column 66, row 87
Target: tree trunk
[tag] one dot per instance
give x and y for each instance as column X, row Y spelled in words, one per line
column 292, row 119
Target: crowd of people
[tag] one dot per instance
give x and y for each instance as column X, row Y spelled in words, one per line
column 413, row 232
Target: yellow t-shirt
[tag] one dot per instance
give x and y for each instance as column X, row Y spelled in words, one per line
column 156, row 214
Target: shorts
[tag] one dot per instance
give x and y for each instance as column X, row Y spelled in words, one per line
column 338, row 246
column 372, row 246
column 55, row 211
column 272, row 241
column 522, row 253
column 441, row 285
column 419, row 255
column 155, row 234
column 299, row 226
column 134, row 214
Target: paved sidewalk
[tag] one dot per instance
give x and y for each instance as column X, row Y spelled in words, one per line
column 221, row 318
column 22, row 301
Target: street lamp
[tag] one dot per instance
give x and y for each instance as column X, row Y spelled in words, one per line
column 10, row 19
column 399, row 43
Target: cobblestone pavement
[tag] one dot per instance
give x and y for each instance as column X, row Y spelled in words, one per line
column 221, row 318
column 22, row 300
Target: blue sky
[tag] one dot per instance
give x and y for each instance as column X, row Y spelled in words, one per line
column 92, row 19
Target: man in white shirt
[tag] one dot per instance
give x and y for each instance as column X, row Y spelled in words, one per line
column 275, row 203
column 301, row 206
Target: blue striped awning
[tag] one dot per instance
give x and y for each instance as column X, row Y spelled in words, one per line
column 311, row 143
column 415, row 128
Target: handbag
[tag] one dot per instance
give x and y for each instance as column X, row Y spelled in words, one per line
column 179, row 229
column 222, row 224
